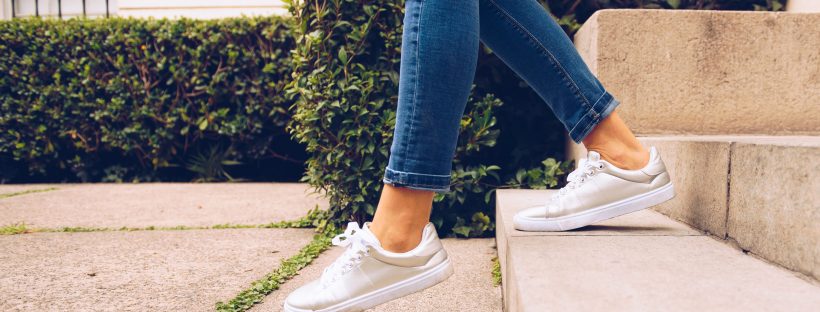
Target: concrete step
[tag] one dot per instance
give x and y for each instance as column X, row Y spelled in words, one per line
column 756, row 192
column 708, row 72
column 643, row 261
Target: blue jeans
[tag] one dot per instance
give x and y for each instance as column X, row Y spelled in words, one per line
column 438, row 61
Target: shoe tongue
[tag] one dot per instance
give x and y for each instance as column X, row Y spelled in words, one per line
column 593, row 156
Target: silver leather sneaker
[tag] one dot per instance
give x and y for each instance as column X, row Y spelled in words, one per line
column 598, row 191
column 366, row 275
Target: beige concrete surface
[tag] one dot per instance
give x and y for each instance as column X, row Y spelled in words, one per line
column 650, row 273
column 158, row 204
column 508, row 202
column 699, row 171
column 708, row 72
column 803, row 6
column 774, row 206
column 138, row 271
column 469, row 289
column 672, row 270
column 764, row 202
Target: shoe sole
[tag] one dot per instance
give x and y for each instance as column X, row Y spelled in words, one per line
column 598, row 214
column 435, row 275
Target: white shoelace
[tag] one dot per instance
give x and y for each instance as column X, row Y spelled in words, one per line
column 357, row 248
column 586, row 168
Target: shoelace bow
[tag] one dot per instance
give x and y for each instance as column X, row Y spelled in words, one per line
column 357, row 248
column 586, row 168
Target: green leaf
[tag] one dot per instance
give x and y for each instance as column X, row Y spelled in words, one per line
column 343, row 55
column 464, row 231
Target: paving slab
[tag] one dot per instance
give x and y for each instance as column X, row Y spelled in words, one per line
column 159, row 204
column 138, row 271
column 469, row 289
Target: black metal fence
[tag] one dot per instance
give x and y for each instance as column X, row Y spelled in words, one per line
column 14, row 4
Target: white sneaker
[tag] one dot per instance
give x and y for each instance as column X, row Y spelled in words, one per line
column 597, row 191
column 366, row 275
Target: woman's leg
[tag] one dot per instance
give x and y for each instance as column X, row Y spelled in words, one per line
column 527, row 39
column 399, row 252
column 618, row 176
column 438, row 60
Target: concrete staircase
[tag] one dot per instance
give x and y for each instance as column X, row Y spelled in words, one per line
column 732, row 101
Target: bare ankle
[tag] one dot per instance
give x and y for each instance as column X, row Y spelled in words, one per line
column 624, row 157
column 617, row 144
column 401, row 217
column 396, row 240
column 400, row 246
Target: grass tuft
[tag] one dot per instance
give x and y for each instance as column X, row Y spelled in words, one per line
column 7, row 195
column 496, row 272
column 286, row 270
column 13, row 229
column 316, row 218
column 74, row 229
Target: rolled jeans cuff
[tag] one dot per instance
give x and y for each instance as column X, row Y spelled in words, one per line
column 417, row 181
column 602, row 109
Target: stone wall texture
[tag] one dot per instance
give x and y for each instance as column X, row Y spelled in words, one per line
column 708, row 72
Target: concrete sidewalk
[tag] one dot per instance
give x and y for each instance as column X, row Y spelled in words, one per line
column 183, row 270
column 156, row 204
column 138, row 271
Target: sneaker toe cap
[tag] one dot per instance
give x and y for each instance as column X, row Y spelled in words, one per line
column 526, row 216
column 305, row 298
column 537, row 212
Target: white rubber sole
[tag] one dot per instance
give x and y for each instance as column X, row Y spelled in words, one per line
column 597, row 214
column 435, row 275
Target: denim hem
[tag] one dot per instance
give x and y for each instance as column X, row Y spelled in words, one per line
column 417, row 181
column 593, row 117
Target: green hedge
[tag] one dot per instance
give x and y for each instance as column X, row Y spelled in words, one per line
column 129, row 99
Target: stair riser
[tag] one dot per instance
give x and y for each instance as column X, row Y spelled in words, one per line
column 753, row 191
column 509, row 283
column 695, row 72
column 774, row 209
